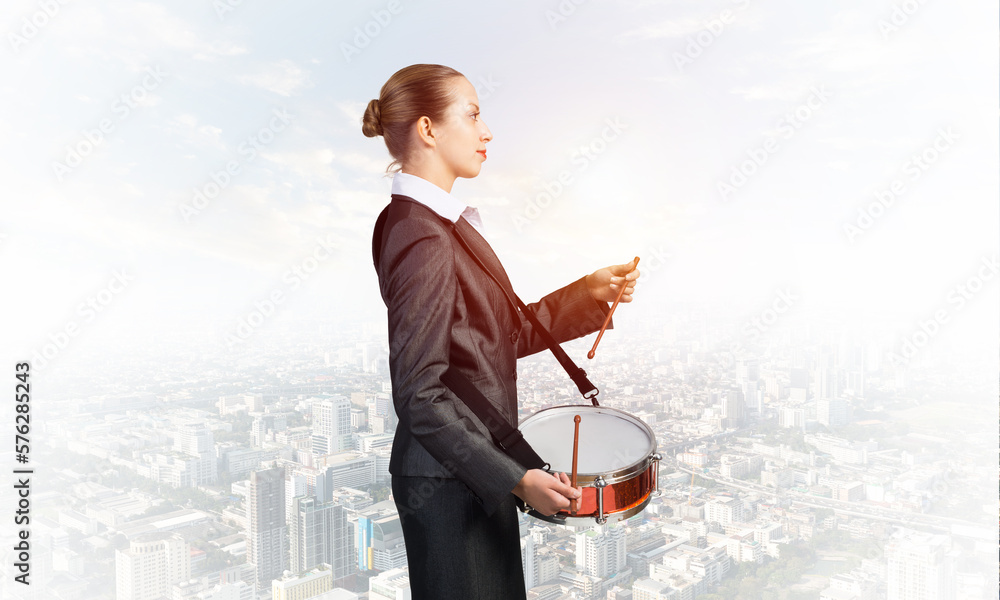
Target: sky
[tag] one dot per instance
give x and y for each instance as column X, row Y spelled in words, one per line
column 177, row 167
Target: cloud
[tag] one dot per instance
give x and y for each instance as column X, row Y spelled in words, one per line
column 282, row 77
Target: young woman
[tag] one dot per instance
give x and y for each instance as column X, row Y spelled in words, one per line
column 450, row 305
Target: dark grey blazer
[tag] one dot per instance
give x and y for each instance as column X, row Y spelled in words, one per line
column 444, row 309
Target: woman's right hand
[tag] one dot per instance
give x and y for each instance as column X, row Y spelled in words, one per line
column 547, row 493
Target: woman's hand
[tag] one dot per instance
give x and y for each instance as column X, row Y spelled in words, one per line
column 547, row 493
column 604, row 284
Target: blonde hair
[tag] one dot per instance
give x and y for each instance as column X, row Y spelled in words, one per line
column 421, row 90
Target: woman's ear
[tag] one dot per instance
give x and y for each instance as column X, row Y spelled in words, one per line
column 425, row 131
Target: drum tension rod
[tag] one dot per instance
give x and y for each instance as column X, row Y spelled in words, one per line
column 657, row 457
column 600, row 484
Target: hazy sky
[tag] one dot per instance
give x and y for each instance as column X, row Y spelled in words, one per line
column 737, row 147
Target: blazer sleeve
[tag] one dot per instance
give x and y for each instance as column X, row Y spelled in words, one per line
column 568, row 313
column 420, row 287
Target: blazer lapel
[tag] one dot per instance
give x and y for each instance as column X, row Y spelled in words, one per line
column 480, row 251
column 487, row 260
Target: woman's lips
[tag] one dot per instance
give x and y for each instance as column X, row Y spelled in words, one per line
column 482, row 152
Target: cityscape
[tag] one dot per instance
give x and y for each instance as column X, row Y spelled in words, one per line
column 797, row 464
column 197, row 347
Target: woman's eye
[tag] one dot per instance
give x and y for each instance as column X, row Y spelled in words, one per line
column 475, row 116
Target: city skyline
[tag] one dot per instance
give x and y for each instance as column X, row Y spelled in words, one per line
column 811, row 189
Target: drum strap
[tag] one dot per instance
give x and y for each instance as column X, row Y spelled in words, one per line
column 587, row 389
column 578, row 375
column 508, row 438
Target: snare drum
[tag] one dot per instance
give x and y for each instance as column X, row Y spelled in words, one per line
column 616, row 460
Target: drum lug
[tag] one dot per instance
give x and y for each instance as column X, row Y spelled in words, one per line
column 657, row 457
column 600, row 484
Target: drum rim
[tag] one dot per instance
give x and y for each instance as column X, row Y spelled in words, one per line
column 623, row 474
column 612, row 517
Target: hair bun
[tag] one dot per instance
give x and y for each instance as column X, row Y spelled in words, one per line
column 371, row 123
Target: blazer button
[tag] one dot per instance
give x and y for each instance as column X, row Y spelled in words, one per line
column 513, row 337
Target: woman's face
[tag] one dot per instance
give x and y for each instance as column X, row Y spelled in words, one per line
column 462, row 135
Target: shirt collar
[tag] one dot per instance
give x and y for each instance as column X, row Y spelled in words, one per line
column 435, row 198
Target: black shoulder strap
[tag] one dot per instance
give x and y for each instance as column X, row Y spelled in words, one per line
column 578, row 375
column 587, row 389
column 508, row 438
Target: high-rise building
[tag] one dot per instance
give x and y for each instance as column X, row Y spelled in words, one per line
column 348, row 469
column 827, row 383
column 267, row 533
column 725, row 510
column 320, row 535
column 380, row 538
column 263, row 424
column 197, row 442
column 296, row 484
column 733, row 408
column 304, row 585
column 381, row 414
column 793, row 418
column 748, row 369
column 918, row 568
column 833, row 412
column 601, row 553
column 798, row 385
column 332, row 431
column 152, row 563
column 528, row 561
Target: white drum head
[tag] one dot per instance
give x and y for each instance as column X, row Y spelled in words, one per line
column 610, row 439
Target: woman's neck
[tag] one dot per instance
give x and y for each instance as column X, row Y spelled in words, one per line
column 435, row 174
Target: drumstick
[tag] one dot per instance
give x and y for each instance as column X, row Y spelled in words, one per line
column 576, row 446
column 607, row 319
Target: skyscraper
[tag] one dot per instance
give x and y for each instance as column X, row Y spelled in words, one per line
column 601, row 552
column 197, row 442
column 918, row 568
column 152, row 563
column 332, row 430
column 267, row 535
column 320, row 534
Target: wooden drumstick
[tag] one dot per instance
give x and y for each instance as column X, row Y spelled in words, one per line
column 607, row 319
column 576, row 447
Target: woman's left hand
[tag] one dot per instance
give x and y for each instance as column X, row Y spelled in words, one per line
column 604, row 284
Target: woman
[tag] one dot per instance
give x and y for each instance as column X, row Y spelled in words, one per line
column 450, row 305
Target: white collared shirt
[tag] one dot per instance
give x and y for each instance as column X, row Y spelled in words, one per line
column 436, row 199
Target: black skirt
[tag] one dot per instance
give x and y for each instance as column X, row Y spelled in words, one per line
column 454, row 550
